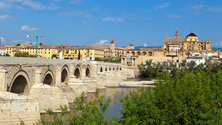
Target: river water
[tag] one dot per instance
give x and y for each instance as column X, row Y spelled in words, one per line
column 115, row 93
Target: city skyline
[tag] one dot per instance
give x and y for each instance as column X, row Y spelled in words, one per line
column 85, row 23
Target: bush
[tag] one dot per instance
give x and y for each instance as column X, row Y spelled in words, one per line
column 23, row 54
column 187, row 98
column 84, row 112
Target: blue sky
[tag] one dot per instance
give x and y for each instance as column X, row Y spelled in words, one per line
column 97, row 22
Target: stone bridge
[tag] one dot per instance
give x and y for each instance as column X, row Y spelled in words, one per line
column 53, row 82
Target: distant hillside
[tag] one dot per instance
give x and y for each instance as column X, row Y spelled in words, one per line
column 217, row 49
column 138, row 47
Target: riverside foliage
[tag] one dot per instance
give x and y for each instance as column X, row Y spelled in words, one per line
column 189, row 95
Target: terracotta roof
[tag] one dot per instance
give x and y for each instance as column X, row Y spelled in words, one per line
column 216, row 56
column 172, row 40
column 112, row 42
column 15, row 51
column 151, row 49
column 191, row 34
column 131, row 44
column 2, row 47
column 194, row 57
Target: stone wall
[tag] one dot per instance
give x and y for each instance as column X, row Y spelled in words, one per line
column 49, row 97
column 14, row 108
column 143, row 59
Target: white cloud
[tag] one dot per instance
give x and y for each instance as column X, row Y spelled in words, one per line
column 2, row 39
column 197, row 9
column 21, row 4
column 163, row 5
column 5, row 17
column 102, row 43
column 28, row 29
column 215, row 9
column 4, row 5
column 34, row 5
column 95, row 9
column 174, row 16
column 26, row 42
column 113, row 19
column 145, row 45
column 76, row 13
column 220, row 43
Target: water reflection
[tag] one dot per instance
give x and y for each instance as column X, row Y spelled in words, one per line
column 115, row 93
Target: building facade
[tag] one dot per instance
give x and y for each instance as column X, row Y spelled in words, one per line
column 2, row 51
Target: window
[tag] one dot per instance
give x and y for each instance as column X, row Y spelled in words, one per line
column 189, row 46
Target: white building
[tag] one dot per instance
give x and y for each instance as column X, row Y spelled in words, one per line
column 199, row 58
column 2, row 51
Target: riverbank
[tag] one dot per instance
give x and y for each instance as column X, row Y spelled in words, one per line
column 138, row 83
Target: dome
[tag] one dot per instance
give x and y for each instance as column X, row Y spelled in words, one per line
column 112, row 42
column 131, row 44
column 191, row 34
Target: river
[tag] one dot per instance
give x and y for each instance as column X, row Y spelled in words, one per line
column 115, row 93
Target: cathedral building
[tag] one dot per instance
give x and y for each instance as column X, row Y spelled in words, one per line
column 188, row 43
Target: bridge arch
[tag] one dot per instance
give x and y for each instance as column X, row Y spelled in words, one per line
column 48, row 78
column 19, row 83
column 101, row 69
column 87, row 72
column 65, row 74
column 77, row 72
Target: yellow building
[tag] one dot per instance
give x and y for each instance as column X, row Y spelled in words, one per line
column 48, row 52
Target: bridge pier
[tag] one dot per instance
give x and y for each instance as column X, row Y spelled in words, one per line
column 49, row 97
column 58, row 76
column 38, row 74
column 78, row 85
column 3, row 81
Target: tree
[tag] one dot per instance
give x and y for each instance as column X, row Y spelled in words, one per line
column 23, row 54
column 18, row 44
column 84, row 112
column 53, row 56
column 187, row 98
column 79, row 55
column 40, row 44
column 7, row 54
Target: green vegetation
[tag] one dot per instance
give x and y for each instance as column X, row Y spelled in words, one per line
column 7, row 54
column 18, row 44
column 84, row 112
column 192, row 95
column 54, row 55
column 107, row 60
column 189, row 95
column 23, row 54
column 186, row 98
